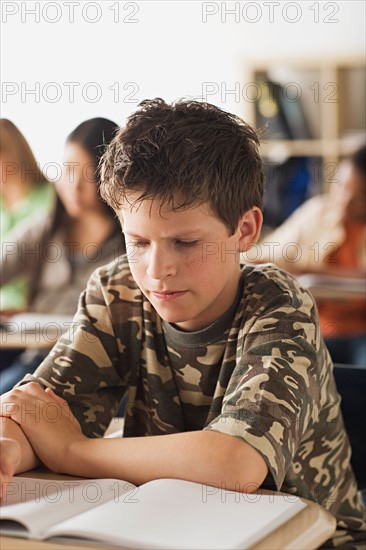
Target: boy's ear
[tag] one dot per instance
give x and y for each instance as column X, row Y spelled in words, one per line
column 249, row 228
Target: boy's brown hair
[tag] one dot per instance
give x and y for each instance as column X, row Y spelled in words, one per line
column 185, row 154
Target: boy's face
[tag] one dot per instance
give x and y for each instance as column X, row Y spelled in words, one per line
column 185, row 262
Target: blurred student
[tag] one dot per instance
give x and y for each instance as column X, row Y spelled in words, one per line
column 60, row 252
column 24, row 193
column 328, row 232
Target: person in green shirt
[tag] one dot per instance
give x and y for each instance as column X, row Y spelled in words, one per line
column 25, row 194
column 58, row 252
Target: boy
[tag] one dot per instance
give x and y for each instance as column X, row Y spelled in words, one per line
column 227, row 375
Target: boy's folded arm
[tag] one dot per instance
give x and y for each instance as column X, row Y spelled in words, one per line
column 10, row 430
column 202, row 456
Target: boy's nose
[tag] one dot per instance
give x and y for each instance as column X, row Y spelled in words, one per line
column 161, row 264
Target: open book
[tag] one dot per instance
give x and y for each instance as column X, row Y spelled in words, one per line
column 162, row 514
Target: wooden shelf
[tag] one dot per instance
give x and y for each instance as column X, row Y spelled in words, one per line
column 293, row 148
column 332, row 96
column 310, row 147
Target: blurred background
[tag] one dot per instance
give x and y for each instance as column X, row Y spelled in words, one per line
column 64, row 62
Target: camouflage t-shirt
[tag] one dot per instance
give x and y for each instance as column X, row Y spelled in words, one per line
column 261, row 372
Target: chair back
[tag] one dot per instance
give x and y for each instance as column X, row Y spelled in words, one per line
column 351, row 385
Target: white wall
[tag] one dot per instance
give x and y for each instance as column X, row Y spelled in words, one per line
column 171, row 50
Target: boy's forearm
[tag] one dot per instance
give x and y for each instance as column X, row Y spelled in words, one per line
column 12, row 430
column 202, row 456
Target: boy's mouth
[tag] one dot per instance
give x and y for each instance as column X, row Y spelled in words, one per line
column 168, row 295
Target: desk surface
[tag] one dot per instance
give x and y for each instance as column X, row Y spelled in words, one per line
column 33, row 330
column 34, row 340
column 306, row 531
column 325, row 287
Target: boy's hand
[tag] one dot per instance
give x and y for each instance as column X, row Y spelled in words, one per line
column 10, row 455
column 47, row 422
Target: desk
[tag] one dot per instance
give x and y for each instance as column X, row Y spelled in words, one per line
column 307, row 530
column 33, row 330
column 327, row 287
column 33, row 340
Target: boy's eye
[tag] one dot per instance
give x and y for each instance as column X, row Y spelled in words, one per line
column 139, row 244
column 187, row 243
column 179, row 242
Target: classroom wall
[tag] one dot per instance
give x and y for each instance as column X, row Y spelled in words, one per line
column 85, row 59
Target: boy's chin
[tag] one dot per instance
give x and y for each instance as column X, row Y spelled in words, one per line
column 171, row 318
column 184, row 323
column 174, row 318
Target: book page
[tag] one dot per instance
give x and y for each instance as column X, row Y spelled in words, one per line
column 314, row 534
column 39, row 503
column 173, row 514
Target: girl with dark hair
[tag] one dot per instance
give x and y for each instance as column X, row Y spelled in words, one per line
column 60, row 252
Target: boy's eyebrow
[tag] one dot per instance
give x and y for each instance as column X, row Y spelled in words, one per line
column 177, row 236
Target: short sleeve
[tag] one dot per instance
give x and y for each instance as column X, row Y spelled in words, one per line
column 271, row 396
